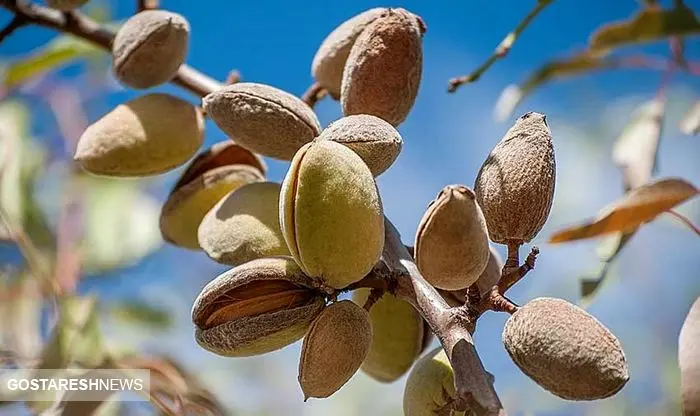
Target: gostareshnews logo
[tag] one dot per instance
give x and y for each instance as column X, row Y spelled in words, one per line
column 74, row 384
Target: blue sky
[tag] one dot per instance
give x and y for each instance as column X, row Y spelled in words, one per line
column 446, row 138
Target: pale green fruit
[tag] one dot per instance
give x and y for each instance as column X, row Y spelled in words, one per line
column 565, row 350
column 214, row 173
column 65, row 5
column 149, row 135
column 452, row 243
column 398, row 336
column 255, row 308
column 430, row 384
column 244, row 225
column 334, row 348
column 331, row 214
column 262, row 118
column 329, row 61
column 149, row 48
column 373, row 139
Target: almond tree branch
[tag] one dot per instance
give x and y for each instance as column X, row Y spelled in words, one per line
column 81, row 26
column 452, row 326
column 502, row 49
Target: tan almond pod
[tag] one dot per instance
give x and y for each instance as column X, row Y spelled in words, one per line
column 329, row 61
column 565, row 350
column 383, row 71
column 486, row 281
column 689, row 361
column 452, row 247
column 334, row 348
column 255, row 308
column 208, row 178
column 515, row 186
column 373, row 139
column 146, row 136
column 244, row 225
column 262, row 118
column 149, row 48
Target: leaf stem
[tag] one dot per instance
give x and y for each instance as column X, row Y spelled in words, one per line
column 682, row 218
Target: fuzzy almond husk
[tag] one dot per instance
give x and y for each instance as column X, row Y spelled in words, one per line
column 329, row 61
column 134, row 139
column 383, row 71
column 65, row 5
column 334, row 348
column 565, row 350
column 187, row 205
column 373, row 139
column 220, row 154
column 244, row 225
column 515, row 186
column 689, row 361
column 428, row 383
column 149, row 48
column 262, row 118
column 331, row 214
column 452, row 246
column 398, row 336
column 275, row 325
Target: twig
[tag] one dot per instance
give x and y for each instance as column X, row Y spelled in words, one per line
column 233, row 77
column 147, row 5
column 682, row 218
column 83, row 27
column 14, row 24
column 314, row 94
column 451, row 325
column 502, row 49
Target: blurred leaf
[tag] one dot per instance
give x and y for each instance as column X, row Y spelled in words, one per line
column 121, row 223
column 512, row 95
column 648, row 25
column 139, row 312
column 21, row 161
column 635, row 151
column 20, row 299
column 71, row 406
column 690, row 124
column 637, row 207
column 608, row 250
column 60, row 51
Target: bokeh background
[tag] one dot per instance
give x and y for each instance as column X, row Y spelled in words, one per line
column 447, row 136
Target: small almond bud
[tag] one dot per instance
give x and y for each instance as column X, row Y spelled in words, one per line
column 255, row 308
column 329, row 62
column 331, row 214
column 149, row 48
column 452, row 246
column 398, row 336
column 565, row 350
column 148, row 135
column 334, row 348
column 209, row 177
column 515, row 185
column 262, row 118
column 383, row 72
column 373, row 139
column 244, row 225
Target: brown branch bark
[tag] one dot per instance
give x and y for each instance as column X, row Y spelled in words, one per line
column 452, row 326
column 81, row 26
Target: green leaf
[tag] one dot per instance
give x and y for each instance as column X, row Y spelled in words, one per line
column 608, row 250
column 635, row 151
column 22, row 161
column 21, row 299
column 139, row 312
column 59, row 52
column 121, row 223
column 649, row 25
column 513, row 94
